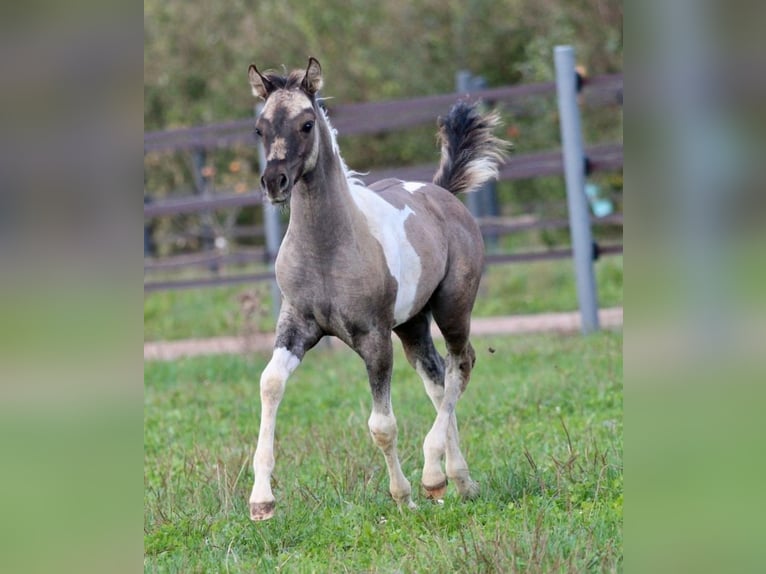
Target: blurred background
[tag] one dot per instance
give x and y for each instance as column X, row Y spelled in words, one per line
column 71, row 122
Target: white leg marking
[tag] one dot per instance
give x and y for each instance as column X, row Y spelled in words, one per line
column 455, row 462
column 442, row 441
column 435, row 392
column 383, row 431
column 435, row 443
column 273, row 380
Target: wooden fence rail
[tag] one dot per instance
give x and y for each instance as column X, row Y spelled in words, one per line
column 371, row 118
column 378, row 117
column 604, row 157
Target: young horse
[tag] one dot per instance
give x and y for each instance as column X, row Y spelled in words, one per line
column 360, row 262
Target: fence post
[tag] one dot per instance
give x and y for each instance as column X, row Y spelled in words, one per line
column 150, row 249
column 272, row 227
column 574, row 172
column 202, row 188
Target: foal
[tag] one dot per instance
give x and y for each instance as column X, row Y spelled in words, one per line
column 360, row 262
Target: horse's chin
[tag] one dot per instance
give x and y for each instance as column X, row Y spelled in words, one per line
column 281, row 199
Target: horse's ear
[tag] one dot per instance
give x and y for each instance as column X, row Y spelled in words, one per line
column 261, row 86
column 312, row 81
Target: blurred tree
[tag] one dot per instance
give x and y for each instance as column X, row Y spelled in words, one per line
column 196, row 56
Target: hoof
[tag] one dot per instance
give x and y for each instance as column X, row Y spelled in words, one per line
column 405, row 503
column 468, row 489
column 261, row 510
column 436, row 492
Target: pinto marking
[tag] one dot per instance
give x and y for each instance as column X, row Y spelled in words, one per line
column 383, row 431
column 412, row 186
column 386, row 224
column 273, row 379
column 344, row 240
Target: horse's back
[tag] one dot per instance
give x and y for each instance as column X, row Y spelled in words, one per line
column 434, row 202
column 439, row 220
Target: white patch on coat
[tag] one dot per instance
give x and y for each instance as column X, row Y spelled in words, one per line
column 412, row 186
column 278, row 149
column 386, row 224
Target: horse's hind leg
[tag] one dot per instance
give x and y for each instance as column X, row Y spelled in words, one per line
column 422, row 355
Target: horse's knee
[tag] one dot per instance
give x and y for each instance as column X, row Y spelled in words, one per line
column 383, row 429
column 274, row 376
column 272, row 385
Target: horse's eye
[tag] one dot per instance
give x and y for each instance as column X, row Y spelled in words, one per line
column 306, row 128
column 258, row 132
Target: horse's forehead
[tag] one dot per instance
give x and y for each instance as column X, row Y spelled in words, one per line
column 292, row 102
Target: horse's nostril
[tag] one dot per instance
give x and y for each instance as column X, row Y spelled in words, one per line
column 282, row 181
column 263, row 183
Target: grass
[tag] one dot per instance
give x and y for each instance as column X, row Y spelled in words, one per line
column 505, row 290
column 541, row 427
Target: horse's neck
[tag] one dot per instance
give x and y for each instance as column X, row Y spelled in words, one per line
column 323, row 215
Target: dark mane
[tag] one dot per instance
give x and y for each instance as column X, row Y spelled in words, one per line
column 289, row 82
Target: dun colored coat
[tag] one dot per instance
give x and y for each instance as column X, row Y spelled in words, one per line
column 362, row 262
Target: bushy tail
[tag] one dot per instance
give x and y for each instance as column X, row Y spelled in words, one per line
column 470, row 152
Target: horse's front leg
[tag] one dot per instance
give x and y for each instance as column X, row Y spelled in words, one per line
column 376, row 350
column 292, row 341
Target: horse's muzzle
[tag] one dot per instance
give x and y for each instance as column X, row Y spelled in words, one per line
column 276, row 185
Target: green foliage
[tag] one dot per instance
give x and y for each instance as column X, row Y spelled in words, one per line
column 196, row 56
column 541, row 427
column 208, row 312
column 543, row 287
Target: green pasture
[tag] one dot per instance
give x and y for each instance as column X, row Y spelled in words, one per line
column 537, row 287
column 541, row 427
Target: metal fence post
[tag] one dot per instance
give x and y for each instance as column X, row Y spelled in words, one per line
column 574, row 172
column 272, row 227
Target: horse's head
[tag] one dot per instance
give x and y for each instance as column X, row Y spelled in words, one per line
column 287, row 126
